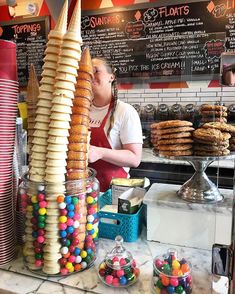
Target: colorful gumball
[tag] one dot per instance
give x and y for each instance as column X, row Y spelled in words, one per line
column 171, row 275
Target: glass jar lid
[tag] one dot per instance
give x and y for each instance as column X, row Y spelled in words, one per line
column 118, row 257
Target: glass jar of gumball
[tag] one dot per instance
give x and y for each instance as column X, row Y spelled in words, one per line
column 171, row 274
column 61, row 224
column 118, row 269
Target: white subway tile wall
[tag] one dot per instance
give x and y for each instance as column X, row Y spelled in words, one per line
column 195, row 95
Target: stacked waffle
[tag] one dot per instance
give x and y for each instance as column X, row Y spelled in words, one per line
column 77, row 161
column 31, row 99
column 213, row 113
column 39, row 148
column 212, row 139
column 58, row 133
column 62, row 102
column 172, row 138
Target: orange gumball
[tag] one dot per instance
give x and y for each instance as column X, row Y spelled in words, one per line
column 77, row 267
column 66, row 255
column 176, row 272
column 165, row 281
column 136, row 272
column 60, row 198
column 185, row 268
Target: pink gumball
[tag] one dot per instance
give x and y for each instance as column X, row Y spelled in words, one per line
column 62, row 226
column 174, row 282
column 115, row 282
column 115, row 258
column 120, row 273
column 122, row 261
column 158, row 263
column 38, row 262
column 69, row 222
column 42, row 204
column 109, row 279
column 64, row 271
column 40, row 239
column 72, row 258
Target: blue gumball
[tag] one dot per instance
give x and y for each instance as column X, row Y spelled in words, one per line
column 123, row 280
column 170, row 289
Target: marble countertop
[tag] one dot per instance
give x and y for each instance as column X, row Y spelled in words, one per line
column 148, row 156
column 15, row 278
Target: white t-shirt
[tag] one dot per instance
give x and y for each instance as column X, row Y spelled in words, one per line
column 127, row 126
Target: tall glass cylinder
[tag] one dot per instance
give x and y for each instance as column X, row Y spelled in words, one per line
column 61, row 224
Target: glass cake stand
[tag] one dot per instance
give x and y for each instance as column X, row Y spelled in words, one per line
column 199, row 188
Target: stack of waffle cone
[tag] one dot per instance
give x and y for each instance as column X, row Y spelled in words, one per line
column 62, row 102
column 39, row 148
column 77, row 161
column 31, row 99
column 37, row 161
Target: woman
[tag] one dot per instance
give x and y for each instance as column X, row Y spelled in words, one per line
column 116, row 134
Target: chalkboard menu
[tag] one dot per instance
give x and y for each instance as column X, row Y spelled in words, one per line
column 30, row 36
column 173, row 42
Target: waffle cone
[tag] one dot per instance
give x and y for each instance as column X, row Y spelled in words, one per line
column 65, row 77
column 61, row 24
column 49, row 73
column 70, row 53
column 63, row 100
column 64, row 68
column 33, row 86
column 74, row 28
column 85, row 63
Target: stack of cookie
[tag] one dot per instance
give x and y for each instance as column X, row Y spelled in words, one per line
column 39, row 148
column 172, row 137
column 210, row 113
column 223, row 127
column 77, row 161
column 212, row 139
column 63, row 96
column 232, row 139
column 31, row 99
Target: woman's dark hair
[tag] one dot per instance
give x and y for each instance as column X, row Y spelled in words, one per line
column 112, row 70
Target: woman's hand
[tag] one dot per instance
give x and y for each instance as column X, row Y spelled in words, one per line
column 129, row 156
column 94, row 154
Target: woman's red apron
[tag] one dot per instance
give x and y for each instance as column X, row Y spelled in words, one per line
column 105, row 170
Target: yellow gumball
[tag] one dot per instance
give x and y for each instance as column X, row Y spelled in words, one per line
column 69, row 265
column 94, row 235
column 83, row 254
column 62, row 219
column 34, row 199
column 42, row 211
column 29, row 208
column 89, row 200
column 175, row 264
column 71, row 269
column 102, row 265
column 89, row 227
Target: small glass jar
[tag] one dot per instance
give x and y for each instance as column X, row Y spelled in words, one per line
column 176, row 112
column 118, row 269
column 162, row 112
column 61, row 224
column 171, row 274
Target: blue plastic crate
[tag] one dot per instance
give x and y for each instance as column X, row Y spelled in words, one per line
column 129, row 226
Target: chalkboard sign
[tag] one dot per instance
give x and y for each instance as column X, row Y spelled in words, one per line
column 172, row 42
column 30, row 36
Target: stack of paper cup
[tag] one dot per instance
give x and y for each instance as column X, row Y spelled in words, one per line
column 39, row 148
column 31, row 99
column 63, row 99
column 77, row 161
